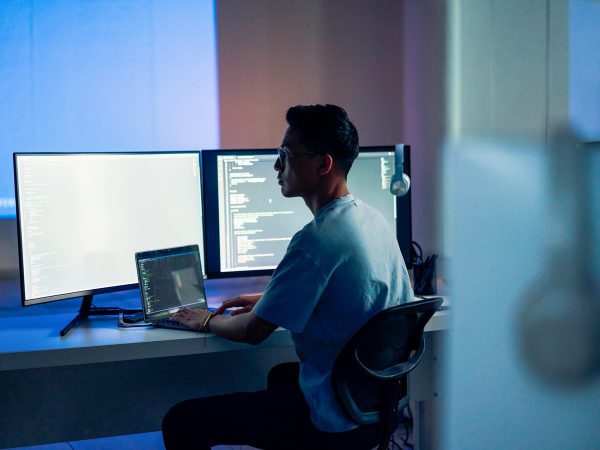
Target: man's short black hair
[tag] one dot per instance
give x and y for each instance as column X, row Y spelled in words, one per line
column 326, row 129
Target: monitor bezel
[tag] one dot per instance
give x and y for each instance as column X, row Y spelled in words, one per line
column 212, row 255
column 93, row 291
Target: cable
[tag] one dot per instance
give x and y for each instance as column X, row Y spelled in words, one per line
column 407, row 421
column 107, row 310
column 125, row 322
column 416, row 253
column 407, row 427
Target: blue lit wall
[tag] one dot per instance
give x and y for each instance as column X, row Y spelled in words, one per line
column 105, row 75
column 584, row 67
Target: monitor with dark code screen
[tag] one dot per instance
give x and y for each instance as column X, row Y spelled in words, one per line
column 83, row 216
column 251, row 223
column 169, row 279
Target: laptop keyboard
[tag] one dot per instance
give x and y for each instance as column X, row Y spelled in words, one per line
column 165, row 323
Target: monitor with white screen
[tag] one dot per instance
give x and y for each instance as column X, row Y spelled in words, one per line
column 254, row 223
column 83, row 216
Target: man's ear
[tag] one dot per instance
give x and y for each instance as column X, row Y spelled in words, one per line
column 326, row 165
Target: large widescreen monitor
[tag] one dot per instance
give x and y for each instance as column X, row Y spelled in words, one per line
column 83, row 216
column 251, row 223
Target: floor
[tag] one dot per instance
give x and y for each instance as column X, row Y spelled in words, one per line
column 153, row 441
column 146, row 441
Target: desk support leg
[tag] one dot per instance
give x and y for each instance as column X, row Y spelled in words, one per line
column 427, row 425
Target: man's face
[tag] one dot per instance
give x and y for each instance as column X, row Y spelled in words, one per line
column 298, row 168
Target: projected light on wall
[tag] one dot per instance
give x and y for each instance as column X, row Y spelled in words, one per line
column 105, row 76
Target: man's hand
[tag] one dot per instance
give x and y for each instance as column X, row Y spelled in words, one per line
column 194, row 318
column 243, row 326
column 244, row 303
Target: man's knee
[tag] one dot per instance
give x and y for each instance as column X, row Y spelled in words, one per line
column 170, row 419
column 283, row 375
column 176, row 425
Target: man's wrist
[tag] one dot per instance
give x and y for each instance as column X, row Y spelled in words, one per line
column 206, row 324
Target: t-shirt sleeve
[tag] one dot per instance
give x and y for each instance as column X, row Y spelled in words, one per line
column 294, row 290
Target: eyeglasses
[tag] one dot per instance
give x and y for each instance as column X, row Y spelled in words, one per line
column 285, row 154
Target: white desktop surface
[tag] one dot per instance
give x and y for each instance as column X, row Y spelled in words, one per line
column 34, row 341
column 29, row 341
column 30, row 337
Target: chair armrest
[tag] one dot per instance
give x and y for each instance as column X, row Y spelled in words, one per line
column 396, row 371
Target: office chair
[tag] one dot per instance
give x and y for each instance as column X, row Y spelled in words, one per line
column 370, row 375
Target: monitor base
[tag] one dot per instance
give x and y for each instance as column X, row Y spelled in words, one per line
column 87, row 309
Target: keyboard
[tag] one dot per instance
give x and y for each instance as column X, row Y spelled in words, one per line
column 164, row 323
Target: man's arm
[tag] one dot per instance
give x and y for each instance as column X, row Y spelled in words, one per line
column 242, row 326
column 247, row 327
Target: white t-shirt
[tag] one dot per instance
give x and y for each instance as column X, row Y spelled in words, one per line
column 339, row 271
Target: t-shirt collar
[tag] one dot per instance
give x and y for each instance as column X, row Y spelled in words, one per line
column 334, row 203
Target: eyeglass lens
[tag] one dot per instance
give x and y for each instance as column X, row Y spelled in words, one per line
column 282, row 157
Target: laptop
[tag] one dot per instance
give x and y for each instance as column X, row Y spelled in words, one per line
column 169, row 280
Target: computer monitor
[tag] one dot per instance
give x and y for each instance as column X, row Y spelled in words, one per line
column 251, row 223
column 82, row 217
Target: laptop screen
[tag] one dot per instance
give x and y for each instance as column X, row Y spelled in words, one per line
column 170, row 279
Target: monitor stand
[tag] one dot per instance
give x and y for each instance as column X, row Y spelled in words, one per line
column 86, row 309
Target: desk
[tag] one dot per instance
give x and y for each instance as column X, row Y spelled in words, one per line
column 100, row 380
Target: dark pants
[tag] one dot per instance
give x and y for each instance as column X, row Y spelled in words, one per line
column 275, row 419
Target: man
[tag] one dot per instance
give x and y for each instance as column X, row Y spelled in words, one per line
column 339, row 270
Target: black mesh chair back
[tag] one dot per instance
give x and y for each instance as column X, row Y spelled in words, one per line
column 370, row 375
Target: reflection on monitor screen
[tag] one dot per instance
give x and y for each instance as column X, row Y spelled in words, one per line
column 255, row 222
column 82, row 217
column 170, row 281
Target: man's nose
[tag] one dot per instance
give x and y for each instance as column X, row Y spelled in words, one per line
column 277, row 165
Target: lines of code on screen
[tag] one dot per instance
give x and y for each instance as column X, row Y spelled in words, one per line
column 256, row 223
